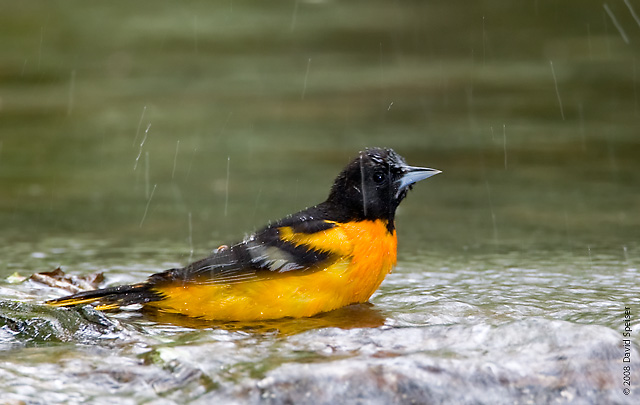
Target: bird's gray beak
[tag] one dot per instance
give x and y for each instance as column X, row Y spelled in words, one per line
column 413, row 175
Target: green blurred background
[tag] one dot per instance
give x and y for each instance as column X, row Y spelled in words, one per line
column 530, row 108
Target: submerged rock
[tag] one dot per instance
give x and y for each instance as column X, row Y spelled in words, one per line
column 22, row 323
column 534, row 361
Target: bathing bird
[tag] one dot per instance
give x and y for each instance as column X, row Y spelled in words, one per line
column 319, row 259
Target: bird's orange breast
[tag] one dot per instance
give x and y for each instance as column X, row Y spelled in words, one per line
column 365, row 252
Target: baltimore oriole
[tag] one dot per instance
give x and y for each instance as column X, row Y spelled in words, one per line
column 319, row 259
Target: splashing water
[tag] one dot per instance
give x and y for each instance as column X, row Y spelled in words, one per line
column 135, row 139
column 555, row 82
column 306, row 78
column 175, row 160
column 226, row 187
column 147, row 207
column 616, row 24
column 146, row 133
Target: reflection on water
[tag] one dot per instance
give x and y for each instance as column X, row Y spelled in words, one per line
column 353, row 316
column 514, row 265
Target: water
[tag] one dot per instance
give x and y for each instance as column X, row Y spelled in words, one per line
column 515, row 264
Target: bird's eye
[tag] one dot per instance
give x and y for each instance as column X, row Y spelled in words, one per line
column 379, row 177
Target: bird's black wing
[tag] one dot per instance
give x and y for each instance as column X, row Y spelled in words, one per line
column 285, row 247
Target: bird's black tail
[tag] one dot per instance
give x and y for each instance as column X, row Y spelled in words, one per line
column 110, row 298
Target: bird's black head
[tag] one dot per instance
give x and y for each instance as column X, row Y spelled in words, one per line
column 373, row 185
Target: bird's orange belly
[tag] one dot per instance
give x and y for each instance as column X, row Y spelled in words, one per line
column 351, row 279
